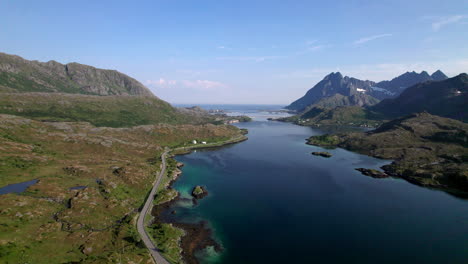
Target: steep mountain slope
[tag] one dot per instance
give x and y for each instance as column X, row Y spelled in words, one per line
column 392, row 88
column 20, row 75
column 448, row 98
column 438, row 76
column 335, row 89
column 332, row 84
column 427, row 150
column 353, row 116
column 360, row 99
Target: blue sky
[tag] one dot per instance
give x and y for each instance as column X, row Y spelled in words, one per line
column 241, row 51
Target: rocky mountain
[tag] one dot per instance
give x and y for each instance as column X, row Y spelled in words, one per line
column 20, row 75
column 448, row 98
column 394, row 87
column 332, row 84
column 438, row 76
column 336, row 90
column 359, row 99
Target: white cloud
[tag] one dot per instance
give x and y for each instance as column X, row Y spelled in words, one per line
column 316, row 47
column 370, row 38
column 253, row 58
column 447, row 20
column 223, row 48
column 200, row 85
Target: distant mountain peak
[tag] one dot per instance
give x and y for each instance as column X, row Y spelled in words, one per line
column 334, row 75
column 439, row 76
column 424, row 73
column 334, row 84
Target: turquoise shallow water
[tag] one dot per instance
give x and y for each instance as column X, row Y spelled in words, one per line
column 271, row 201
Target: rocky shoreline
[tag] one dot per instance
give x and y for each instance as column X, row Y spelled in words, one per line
column 198, row 236
column 424, row 149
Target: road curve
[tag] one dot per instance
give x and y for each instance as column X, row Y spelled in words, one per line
column 155, row 253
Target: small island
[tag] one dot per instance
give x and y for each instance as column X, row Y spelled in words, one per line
column 322, row 154
column 199, row 192
column 373, row 173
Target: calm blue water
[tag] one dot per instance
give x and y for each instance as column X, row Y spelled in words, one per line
column 17, row 187
column 271, row 201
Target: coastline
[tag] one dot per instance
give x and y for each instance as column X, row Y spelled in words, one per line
column 197, row 236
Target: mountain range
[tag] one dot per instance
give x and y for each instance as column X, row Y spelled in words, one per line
column 448, row 98
column 359, row 92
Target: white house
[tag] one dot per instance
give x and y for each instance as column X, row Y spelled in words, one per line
column 204, row 142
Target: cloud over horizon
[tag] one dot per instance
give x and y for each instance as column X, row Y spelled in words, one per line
column 370, row 38
column 201, row 85
column 447, row 20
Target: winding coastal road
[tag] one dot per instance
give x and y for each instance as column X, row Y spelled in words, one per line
column 155, row 253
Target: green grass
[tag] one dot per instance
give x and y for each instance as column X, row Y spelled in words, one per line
column 46, row 151
column 324, row 140
column 198, row 190
column 341, row 116
column 110, row 111
column 167, row 239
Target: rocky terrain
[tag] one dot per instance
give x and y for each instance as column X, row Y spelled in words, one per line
column 56, row 222
column 446, row 98
column 91, row 140
column 335, row 90
column 332, row 84
column 427, row 150
column 199, row 192
column 322, row 154
column 397, row 85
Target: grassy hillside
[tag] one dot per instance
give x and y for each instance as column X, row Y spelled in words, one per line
column 112, row 111
column 52, row 222
column 427, row 150
column 341, row 116
column 342, row 100
column 20, row 75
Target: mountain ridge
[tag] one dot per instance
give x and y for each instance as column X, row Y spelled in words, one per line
column 445, row 98
column 20, row 75
column 336, row 83
column 333, row 83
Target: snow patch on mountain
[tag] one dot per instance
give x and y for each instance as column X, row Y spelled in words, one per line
column 382, row 90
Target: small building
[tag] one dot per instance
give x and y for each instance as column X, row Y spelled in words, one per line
column 204, row 142
column 234, row 121
column 194, row 141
